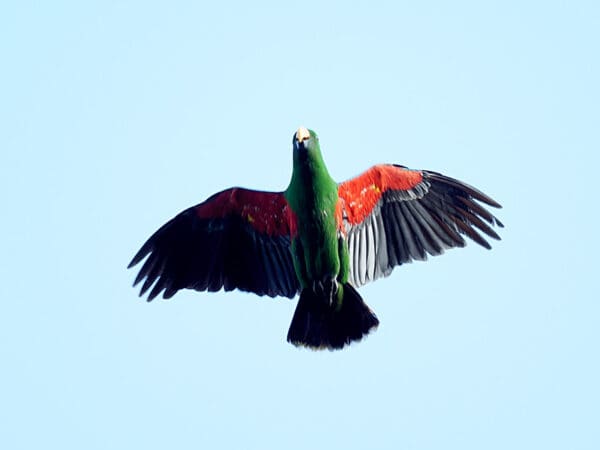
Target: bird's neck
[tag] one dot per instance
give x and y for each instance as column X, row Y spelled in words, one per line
column 311, row 186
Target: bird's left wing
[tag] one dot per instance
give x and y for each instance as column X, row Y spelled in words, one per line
column 392, row 215
column 237, row 239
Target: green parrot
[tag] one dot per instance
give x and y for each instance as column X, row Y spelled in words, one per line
column 318, row 238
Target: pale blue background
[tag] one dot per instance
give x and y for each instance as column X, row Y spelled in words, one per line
column 114, row 116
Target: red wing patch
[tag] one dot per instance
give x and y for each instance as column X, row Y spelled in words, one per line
column 360, row 195
column 266, row 212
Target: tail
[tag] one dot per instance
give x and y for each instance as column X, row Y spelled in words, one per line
column 318, row 325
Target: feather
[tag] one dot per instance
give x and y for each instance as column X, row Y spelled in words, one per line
column 218, row 244
column 430, row 242
column 416, row 232
column 406, row 215
column 362, row 240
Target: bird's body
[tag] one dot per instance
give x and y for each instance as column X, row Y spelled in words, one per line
column 317, row 238
column 312, row 197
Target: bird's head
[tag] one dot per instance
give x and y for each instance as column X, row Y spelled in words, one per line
column 307, row 153
column 305, row 140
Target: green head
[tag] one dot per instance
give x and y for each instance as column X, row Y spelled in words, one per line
column 306, row 145
column 308, row 164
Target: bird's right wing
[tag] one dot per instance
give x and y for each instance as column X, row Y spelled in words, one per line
column 392, row 215
column 237, row 239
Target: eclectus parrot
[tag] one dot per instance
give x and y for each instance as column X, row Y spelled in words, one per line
column 317, row 238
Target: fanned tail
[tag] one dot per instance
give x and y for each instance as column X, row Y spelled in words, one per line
column 318, row 325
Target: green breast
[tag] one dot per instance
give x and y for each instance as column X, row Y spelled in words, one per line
column 312, row 196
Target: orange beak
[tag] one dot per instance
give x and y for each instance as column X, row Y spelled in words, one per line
column 302, row 134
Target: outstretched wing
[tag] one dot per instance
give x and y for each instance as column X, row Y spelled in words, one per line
column 392, row 215
column 237, row 239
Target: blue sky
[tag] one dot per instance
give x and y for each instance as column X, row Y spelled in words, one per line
column 115, row 116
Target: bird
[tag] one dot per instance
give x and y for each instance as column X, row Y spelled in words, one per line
column 320, row 239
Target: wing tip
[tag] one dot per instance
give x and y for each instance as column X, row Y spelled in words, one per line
column 141, row 254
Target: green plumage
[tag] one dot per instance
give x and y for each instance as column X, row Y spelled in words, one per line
column 312, row 196
column 330, row 313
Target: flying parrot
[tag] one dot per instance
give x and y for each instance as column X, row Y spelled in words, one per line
column 318, row 238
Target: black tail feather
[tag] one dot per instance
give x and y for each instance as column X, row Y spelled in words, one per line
column 318, row 325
